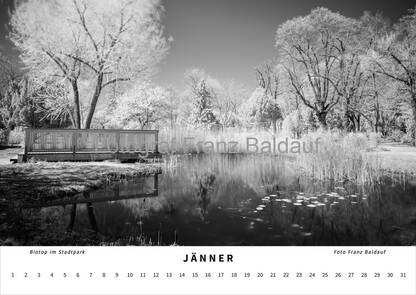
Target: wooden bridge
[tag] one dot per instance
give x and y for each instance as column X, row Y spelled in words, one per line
column 89, row 144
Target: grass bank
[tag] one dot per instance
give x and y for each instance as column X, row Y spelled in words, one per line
column 50, row 180
column 31, row 182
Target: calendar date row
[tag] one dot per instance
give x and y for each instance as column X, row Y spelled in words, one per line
column 195, row 275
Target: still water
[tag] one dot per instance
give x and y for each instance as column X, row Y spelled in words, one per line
column 233, row 200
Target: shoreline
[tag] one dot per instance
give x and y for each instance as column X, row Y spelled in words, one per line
column 34, row 182
column 56, row 179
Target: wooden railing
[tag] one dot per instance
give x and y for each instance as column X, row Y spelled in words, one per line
column 90, row 141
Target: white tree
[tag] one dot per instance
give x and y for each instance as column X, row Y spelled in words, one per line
column 261, row 108
column 228, row 101
column 141, row 107
column 314, row 49
column 93, row 44
column 12, row 90
column 398, row 59
column 202, row 91
column 268, row 78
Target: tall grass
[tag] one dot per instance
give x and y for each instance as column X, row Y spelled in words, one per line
column 341, row 157
column 190, row 140
column 338, row 156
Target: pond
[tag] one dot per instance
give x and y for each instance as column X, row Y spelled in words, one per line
column 231, row 200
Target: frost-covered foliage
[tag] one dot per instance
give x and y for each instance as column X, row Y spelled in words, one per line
column 201, row 92
column 203, row 112
column 142, row 107
column 330, row 71
column 210, row 103
column 11, row 91
column 397, row 61
column 315, row 51
column 91, row 45
column 261, row 109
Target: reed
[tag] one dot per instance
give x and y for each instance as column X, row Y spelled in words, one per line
column 182, row 140
column 339, row 157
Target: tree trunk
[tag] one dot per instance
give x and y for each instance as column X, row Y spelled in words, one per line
column 97, row 92
column 6, row 133
column 377, row 117
column 77, row 109
column 274, row 123
column 322, row 119
column 349, row 121
column 348, row 116
column 413, row 104
column 358, row 123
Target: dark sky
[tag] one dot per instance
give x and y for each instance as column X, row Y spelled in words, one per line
column 229, row 38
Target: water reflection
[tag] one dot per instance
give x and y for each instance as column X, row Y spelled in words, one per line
column 236, row 200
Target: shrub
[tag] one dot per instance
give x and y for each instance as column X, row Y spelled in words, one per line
column 3, row 139
column 16, row 137
column 407, row 138
column 396, row 135
column 374, row 139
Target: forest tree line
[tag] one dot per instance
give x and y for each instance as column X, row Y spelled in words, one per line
column 94, row 68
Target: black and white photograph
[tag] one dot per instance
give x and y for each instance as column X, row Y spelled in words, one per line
column 207, row 123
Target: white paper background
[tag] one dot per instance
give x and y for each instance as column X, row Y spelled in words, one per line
column 169, row 259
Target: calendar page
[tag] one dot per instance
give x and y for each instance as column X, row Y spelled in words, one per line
column 196, row 147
